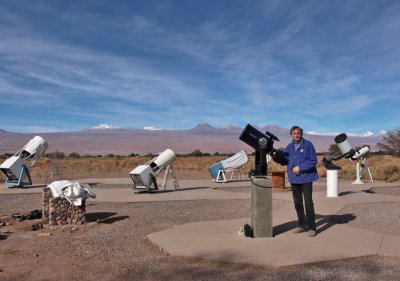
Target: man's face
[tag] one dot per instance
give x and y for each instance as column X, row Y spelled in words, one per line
column 296, row 135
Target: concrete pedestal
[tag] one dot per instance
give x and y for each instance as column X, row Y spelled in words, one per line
column 261, row 207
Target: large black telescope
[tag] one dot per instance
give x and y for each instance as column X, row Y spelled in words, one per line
column 262, row 144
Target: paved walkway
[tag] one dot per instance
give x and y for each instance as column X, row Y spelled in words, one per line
column 220, row 240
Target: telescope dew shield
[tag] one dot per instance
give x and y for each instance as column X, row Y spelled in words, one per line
column 164, row 159
column 343, row 143
column 36, row 145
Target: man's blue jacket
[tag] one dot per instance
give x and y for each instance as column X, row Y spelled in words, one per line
column 305, row 157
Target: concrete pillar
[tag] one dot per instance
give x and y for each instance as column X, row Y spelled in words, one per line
column 261, row 205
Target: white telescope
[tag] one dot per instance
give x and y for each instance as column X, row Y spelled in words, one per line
column 144, row 177
column 74, row 192
column 347, row 151
column 233, row 164
column 17, row 167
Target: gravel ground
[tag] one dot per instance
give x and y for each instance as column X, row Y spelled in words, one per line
column 116, row 247
column 388, row 190
column 378, row 217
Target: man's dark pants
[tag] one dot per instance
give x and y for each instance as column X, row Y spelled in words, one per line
column 299, row 191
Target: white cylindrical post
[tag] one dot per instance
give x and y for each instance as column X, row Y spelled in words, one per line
column 358, row 175
column 332, row 183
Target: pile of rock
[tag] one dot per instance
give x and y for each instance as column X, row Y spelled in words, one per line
column 59, row 211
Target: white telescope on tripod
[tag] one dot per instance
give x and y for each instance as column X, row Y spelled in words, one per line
column 144, row 177
column 347, row 151
column 355, row 154
column 17, row 167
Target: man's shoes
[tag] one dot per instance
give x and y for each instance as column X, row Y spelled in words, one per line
column 312, row 232
column 299, row 230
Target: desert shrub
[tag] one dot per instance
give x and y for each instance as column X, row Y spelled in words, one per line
column 73, row 155
column 196, row 153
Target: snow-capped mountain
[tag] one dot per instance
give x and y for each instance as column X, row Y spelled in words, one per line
column 103, row 126
column 150, row 128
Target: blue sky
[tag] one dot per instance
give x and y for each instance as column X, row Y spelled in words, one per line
column 328, row 66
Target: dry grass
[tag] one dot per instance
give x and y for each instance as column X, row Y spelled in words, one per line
column 383, row 167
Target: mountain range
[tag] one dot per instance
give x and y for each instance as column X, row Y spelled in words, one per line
column 107, row 139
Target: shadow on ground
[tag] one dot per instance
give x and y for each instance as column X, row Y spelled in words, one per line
column 322, row 222
column 104, row 217
column 155, row 191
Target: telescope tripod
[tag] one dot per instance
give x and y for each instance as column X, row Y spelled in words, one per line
column 361, row 165
column 169, row 172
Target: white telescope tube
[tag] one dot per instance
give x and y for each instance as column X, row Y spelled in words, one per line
column 343, row 143
column 36, row 145
column 360, row 152
column 165, row 158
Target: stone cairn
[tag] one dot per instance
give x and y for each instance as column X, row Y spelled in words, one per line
column 59, row 211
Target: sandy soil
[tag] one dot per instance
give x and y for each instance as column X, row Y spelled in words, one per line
column 113, row 246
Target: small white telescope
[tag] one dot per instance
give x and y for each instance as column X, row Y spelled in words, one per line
column 233, row 164
column 17, row 167
column 347, row 151
column 144, row 177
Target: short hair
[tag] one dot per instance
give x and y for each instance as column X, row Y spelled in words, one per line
column 296, row 128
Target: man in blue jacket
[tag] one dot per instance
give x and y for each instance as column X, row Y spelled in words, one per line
column 301, row 160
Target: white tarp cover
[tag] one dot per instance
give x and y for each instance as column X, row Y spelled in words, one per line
column 236, row 161
column 74, row 192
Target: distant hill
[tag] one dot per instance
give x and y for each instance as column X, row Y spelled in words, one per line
column 109, row 139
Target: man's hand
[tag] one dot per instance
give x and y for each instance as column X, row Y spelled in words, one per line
column 296, row 170
column 274, row 153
